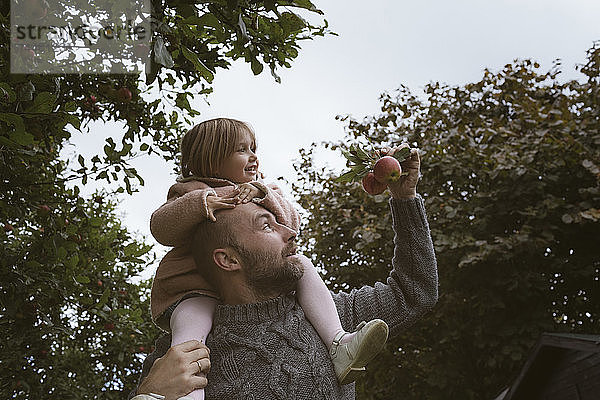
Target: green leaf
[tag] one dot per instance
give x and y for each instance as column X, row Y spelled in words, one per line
column 198, row 64
column 182, row 102
column 70, row 107
column 256, row 66
column 73, row 120
column 346, row 177
column 22, row 138
column 351, row 157
column 361, row 154
column 15, row 120
column 42, row 103
column 95, row 221
column 103, row 298
column 306, row 4
column 61, row 253
column 73, row 261
column 82, row 279
column 402, row 154
column 291, row 23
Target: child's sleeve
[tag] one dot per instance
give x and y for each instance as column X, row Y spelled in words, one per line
column 173, row 223
column 274, row 201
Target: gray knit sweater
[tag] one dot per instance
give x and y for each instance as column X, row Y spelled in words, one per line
column 269, row 350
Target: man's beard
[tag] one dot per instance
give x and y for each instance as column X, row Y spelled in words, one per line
column 269, row 273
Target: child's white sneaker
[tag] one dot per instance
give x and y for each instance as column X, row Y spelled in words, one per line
column 349, row 359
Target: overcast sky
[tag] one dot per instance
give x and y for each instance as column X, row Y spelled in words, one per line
column 381, row 45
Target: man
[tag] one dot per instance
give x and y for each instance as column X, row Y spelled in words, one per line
column 262, row 346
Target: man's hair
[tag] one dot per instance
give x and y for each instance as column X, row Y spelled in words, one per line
column 210, row 236
column 208, row 144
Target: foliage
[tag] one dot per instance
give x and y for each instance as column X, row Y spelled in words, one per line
column 511, row 187
column 74, row 324
column 361, row 162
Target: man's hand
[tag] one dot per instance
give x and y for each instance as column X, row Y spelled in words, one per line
column 176, row 373
column 406, row 186
column 247, row 192
column 216, row 202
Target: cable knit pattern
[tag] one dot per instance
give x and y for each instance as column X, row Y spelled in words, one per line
column 269, row 350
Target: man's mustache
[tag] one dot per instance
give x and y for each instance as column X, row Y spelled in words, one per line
column 289, row 249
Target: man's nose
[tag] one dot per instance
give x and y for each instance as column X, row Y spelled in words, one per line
column 289, row 235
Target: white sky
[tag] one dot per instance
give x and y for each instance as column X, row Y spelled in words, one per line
column 381, row 45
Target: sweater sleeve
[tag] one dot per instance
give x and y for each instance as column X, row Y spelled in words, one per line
column 162, row 344
column 173, row 223
column 411, row 287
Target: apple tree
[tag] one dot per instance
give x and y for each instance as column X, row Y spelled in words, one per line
column 511, row 174
column 74, row 323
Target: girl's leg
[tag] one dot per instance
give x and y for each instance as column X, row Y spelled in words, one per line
column 349, row 352
column 192, row 320
column 317, row 303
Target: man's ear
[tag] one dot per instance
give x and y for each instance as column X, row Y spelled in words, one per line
column 226, row 259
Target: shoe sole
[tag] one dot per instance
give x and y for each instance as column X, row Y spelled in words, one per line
column 374, row 341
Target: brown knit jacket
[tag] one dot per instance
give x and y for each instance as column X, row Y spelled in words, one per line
column 174, row 224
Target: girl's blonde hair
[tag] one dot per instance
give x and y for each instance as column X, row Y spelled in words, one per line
column 208, row 144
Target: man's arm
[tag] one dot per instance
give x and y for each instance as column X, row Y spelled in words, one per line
column 411, row 287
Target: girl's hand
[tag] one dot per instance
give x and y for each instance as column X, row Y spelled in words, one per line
column 216, row 202
column 406, row 186
column 247, row 192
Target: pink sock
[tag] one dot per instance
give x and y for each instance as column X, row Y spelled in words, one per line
column 192, row 320
column 317, row 303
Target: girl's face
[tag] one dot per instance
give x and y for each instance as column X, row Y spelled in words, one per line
column 242, row 165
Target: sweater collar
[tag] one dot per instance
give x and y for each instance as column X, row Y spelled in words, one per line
column 254, row 312
column 212, row 182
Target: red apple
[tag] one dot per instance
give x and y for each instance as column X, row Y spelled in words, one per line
column 8, row 227
column 124, row 94
column 109, row 326
column 387, row 169
column 93, row 98
column 371, row 185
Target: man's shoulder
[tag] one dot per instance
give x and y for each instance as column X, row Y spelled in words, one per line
column 274, row 354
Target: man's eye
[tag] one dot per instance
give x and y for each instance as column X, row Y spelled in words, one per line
column 267, row 226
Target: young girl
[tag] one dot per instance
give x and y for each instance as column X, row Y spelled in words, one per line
column 219, row 169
